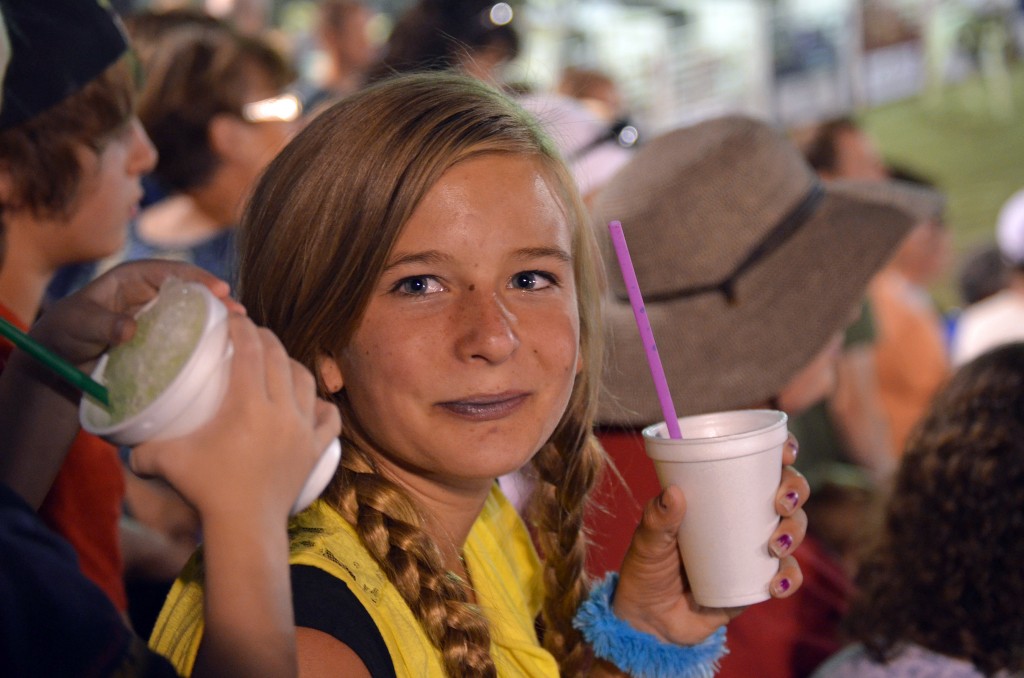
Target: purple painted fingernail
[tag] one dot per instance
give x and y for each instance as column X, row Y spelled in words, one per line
column 794, row 445
column 782, row 545
column 791, row 500
column 782, row 586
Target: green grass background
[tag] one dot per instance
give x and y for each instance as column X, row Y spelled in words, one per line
column 973, row 154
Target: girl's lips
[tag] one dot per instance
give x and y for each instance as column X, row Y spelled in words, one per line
column 485, row 408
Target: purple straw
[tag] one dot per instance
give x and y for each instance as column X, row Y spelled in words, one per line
column 643, row 323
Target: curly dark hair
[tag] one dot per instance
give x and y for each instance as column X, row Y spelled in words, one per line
column 946, row 571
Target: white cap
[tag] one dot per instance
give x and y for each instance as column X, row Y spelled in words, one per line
column 573, row 127
column 1010, row 229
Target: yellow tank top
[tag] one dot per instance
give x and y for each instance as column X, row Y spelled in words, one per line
column 502, row 562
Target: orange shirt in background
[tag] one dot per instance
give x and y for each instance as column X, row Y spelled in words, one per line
column 911, row 358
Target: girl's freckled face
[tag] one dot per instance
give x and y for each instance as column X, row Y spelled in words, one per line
column 466, row 357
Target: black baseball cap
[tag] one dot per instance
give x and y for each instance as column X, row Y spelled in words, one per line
column 57, row 47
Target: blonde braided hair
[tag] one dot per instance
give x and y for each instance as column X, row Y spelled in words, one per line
column 390, row 525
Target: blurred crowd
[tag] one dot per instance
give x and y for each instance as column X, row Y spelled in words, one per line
column 783, row 269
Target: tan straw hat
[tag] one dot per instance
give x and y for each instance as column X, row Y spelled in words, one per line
column 747, row 263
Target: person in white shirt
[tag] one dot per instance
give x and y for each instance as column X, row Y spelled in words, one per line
column 998, row 319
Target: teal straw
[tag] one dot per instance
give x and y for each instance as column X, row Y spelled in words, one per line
column 62, row 368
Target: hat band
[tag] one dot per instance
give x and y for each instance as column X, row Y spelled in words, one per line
column 786, row 227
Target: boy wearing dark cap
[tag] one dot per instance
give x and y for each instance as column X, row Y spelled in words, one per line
column 53, row 621
column 72, row 154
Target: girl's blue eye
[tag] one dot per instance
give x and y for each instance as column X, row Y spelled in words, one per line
column 418, row 285
column 532, row 280
column 414, row 286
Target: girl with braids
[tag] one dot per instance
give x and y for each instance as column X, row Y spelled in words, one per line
column 941, row 592
column 421, row 247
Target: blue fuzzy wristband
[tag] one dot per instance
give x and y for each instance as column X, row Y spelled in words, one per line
column 637, row 653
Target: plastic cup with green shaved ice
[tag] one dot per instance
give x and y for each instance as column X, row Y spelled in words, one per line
column 170, row 378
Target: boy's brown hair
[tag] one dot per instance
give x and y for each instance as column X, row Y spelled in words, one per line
column 41, row 154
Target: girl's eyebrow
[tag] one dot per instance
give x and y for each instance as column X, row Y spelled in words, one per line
column 544, row 252
column 427, row 257
column 435, row 257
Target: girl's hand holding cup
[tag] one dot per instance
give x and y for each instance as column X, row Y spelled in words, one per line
column 265, row 439
column 653, row 594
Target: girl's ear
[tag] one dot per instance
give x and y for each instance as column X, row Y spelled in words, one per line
column 330, row 373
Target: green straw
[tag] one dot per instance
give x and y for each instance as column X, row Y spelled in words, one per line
column 62, row 368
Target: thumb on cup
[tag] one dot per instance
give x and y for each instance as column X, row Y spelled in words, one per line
column 328, row 423
column 659, row 527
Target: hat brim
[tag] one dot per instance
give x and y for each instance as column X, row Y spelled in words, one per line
column 720, row 356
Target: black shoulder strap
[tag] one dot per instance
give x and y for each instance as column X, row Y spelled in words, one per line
column 325, row 603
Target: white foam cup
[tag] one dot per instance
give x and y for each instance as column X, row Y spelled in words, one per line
column 729, row 466
column 192, row 398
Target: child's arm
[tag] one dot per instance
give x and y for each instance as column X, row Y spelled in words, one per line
column 243, row 472
column 39, row 412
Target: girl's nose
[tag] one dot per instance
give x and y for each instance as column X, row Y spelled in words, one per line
column 486, row 328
